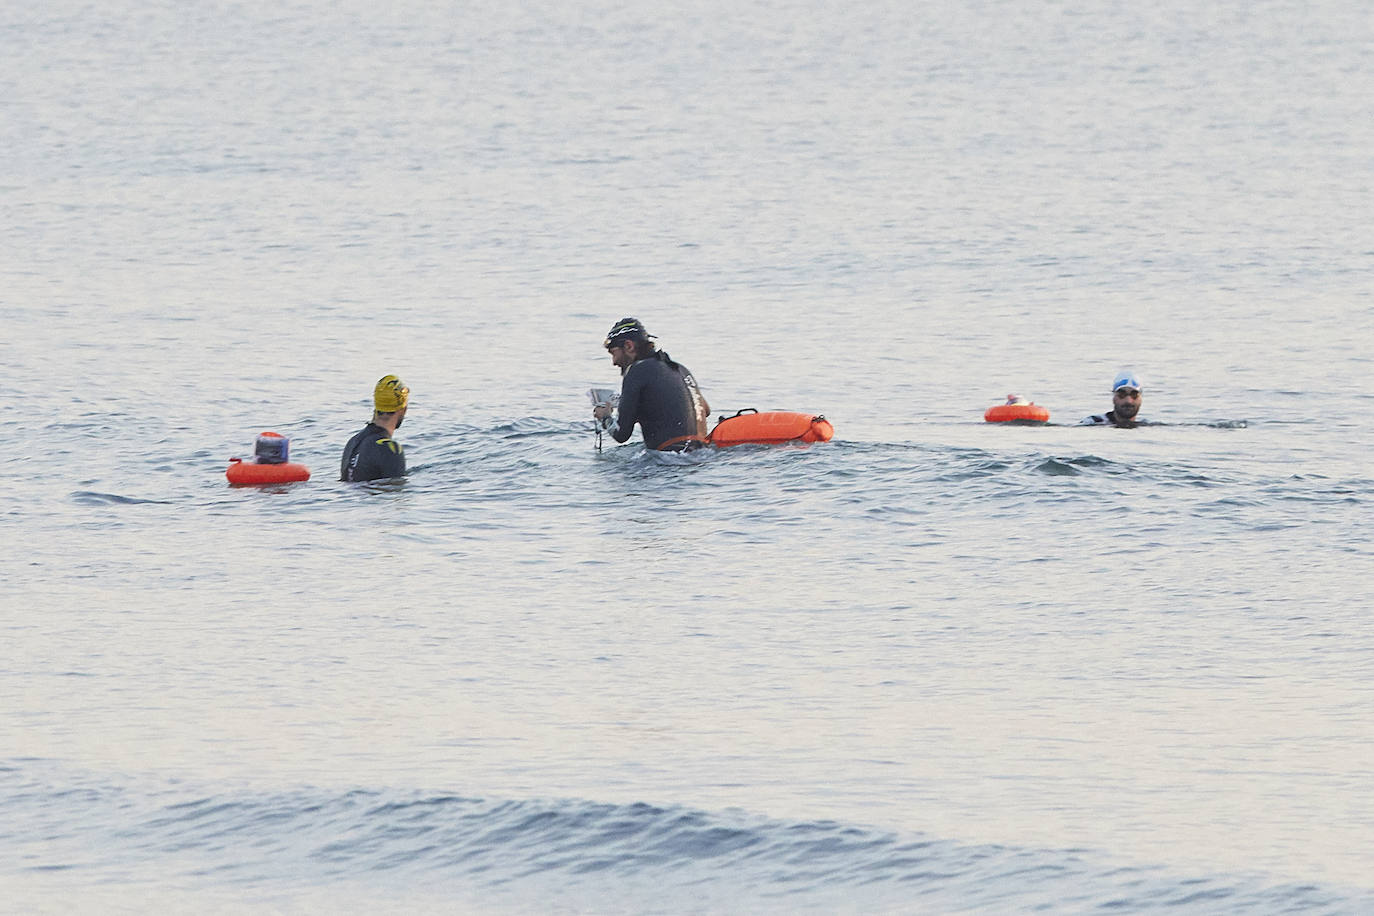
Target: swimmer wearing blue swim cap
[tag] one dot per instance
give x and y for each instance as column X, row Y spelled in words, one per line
column 1126, row 398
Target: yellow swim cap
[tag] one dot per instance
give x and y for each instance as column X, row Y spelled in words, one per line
column 390, row 395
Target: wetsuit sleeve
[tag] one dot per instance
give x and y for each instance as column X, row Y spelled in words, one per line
column 627, row 412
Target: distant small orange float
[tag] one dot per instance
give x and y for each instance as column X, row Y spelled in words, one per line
column 1016, row 410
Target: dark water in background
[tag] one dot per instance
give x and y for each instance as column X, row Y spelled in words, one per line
column 933, row 665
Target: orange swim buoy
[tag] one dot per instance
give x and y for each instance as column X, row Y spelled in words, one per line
column 269, row 465
column 246, row 473
column 1016, row 410
column 770, row 428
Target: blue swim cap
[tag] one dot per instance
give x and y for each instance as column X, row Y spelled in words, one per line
column 1125, row 379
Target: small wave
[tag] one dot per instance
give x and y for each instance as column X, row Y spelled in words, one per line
column 93, row 498
column 1058, row 466
column 679, row 459
column 1054, row 467
column 533, row 427
column 632, row 853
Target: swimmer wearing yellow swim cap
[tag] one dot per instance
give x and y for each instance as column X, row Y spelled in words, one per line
column 390, row 395
column 372, row 454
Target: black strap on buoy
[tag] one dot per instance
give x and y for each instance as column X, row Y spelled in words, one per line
column 722, row 418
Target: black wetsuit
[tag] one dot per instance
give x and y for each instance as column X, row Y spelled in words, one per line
column 372, row 455
column 662, row 397
column 1110, row 419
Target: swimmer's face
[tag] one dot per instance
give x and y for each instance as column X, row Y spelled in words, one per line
column 1126, row 402
column 622, row 354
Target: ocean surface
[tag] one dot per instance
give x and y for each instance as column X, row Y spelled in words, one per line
column 934, row 665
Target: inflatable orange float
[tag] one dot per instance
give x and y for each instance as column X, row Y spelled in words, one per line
column 269, row 464
column 1016, row 410
column 770, row 428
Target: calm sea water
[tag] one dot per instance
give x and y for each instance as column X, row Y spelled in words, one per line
column 934, row 665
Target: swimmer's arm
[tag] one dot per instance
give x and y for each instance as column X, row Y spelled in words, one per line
column 627, row 411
